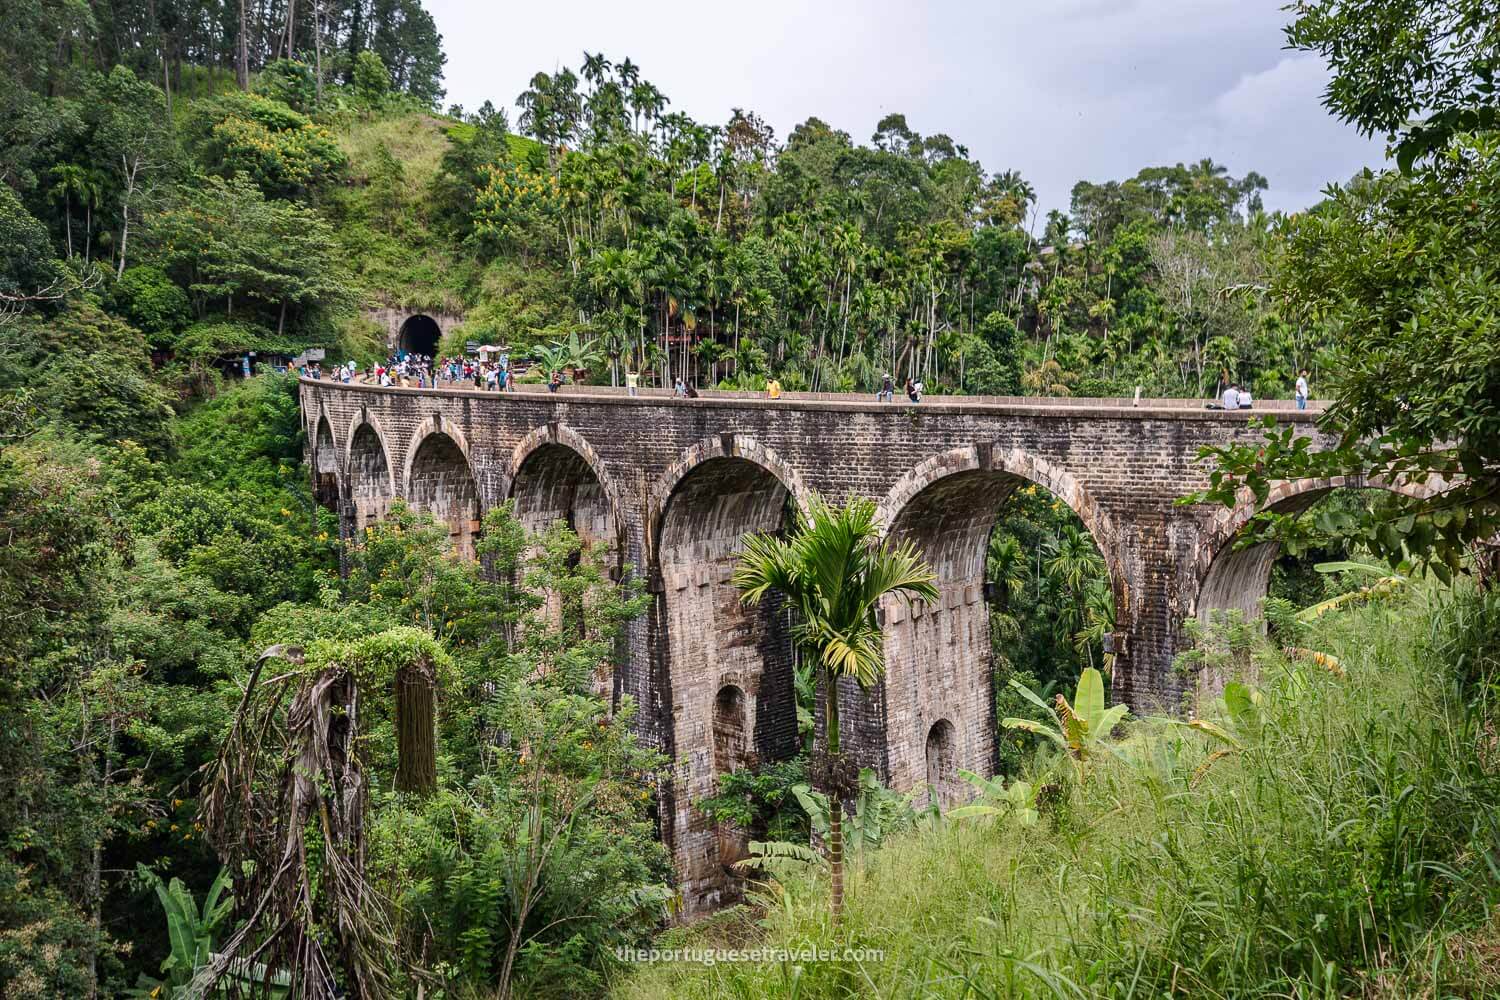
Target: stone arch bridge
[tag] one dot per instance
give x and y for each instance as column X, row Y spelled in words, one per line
column 672, row 486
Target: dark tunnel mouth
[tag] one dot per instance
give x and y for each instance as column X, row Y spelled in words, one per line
column 420, row 335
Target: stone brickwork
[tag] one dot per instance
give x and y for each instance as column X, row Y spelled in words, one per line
column 391, row 319
column 673, row 486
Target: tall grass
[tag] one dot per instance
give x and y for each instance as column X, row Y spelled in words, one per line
column 416, row 140
column 1352, row 850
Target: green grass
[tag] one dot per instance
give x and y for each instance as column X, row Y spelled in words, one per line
column 1351, row 851
column 418, row 141
column 397, row 254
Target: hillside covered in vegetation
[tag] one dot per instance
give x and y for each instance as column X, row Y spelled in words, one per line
column 184, row 183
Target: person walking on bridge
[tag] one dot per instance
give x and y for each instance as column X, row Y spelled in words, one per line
column 1301, row 391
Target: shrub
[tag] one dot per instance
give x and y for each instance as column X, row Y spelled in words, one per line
column 1349, row 849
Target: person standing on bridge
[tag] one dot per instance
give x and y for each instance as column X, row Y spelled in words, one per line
column 1301, row 391
column 631, row 379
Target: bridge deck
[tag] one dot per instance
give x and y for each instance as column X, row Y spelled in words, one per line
column 1031, row 406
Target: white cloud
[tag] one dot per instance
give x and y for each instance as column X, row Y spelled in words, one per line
column 1062, row 90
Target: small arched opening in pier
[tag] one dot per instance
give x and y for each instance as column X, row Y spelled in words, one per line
column 942, row 762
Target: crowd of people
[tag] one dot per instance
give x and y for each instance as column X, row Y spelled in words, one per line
column 423, row 372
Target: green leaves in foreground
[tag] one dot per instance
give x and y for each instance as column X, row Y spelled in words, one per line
column 995, row 798
column 835, row 573
column 190, row 930
column 1080, row 728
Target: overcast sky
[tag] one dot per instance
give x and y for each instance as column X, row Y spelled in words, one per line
column 1061, row 90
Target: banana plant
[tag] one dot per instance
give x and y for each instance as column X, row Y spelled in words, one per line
column 190, row 930
column 1238, row 719
column 878, row 811
column 1079, row 728
column 1386, row 583
column 995, row 798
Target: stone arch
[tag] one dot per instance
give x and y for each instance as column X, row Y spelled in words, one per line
column 939, row 660
column 440, row 480
column 367, row 470
column 723, row 490
column 1232, row 578
column 419, row 334
column 325, row 456
column 726, row 445
column 554, row 474
column 1017, row 464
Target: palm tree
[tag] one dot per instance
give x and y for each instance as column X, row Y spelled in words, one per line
column 595, row 67
column 1007, row 566
column 834, row 572
column 1074, row 564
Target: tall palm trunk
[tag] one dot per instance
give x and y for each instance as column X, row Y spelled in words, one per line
column 416, row 738
column 242, row 49
column 835, row 800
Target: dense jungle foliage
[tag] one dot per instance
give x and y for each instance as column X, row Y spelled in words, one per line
column 185, row 182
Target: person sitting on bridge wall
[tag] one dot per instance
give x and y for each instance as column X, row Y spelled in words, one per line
column 773, row 389
column 887, row 391
column 1245, row 401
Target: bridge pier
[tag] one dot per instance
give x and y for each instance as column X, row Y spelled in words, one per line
column 674, row 486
